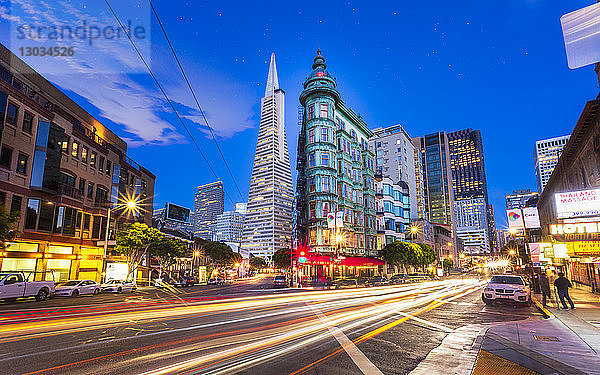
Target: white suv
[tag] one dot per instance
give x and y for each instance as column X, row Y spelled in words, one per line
column 507, row 288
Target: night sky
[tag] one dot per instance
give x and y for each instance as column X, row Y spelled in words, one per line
column 497, row 66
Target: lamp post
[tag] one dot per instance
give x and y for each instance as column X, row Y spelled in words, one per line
column 129, row 206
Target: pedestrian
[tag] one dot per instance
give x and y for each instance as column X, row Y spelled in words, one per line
column 562, row 285
column 545, row 288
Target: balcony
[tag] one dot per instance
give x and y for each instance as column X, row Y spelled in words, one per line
column 70, row 191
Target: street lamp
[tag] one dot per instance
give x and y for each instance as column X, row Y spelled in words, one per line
column 130, row 205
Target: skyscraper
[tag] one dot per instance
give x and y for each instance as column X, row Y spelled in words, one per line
column 521, row 199
column 436, row 176
column 395, row 158
column 209, row 203
column 471, row 208
column 269, row 215
column 546, row 155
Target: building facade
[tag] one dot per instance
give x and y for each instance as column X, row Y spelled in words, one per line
column 420, row 187
column 392, row 202
column 60, row 172
column 394, row 158
column 229, row 227
column 546, row 156
column 268, row 225
column 471, row 209
column 335, row 175
column 574, row 241
column 437, row 177
column 209, row 202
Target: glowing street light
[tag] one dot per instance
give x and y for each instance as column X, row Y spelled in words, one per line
column 339, row 238
column 511, row 252
column 130, row 205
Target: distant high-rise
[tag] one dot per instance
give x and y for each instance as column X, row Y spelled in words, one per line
column 471, row 209
column 521, row 199
column 228, row 227
column 395, row 158
column 436, row 176
column 242, row 208
column 546, row 155
column 268, row 219
column 209, row 203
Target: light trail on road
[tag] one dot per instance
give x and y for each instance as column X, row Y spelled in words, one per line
column 220, row 336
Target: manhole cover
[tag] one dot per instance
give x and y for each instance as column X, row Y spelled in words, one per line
column 546, row 338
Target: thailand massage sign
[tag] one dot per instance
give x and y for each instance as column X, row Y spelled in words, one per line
column 577, row 203
column 576, row 231
column 584, row 248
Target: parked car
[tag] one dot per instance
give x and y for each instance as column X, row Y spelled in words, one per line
column 412, row 277
column 344, row 283
column 398, row 278
column 15, row 285
column 508, row 289
column 216, row 281
column 73, row 288
column 280, row 281
column 377, row 281
column 118, row 286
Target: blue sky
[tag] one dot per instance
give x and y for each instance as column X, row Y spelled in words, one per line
column 497, row 66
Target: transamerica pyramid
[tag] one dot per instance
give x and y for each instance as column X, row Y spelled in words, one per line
column 268, row 224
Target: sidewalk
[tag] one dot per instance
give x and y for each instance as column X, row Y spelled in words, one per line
column 566, row 343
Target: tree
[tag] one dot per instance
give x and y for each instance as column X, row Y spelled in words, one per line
column 166, row 250
column 427, row 255
column 257, row 262
column 219, row 253
column 447, row 264
column 7, row 227
column 402, row 253
column 133, row 241
column 282, row 258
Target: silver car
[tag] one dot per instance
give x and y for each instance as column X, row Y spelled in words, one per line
column 118, row 286
column 73, row 288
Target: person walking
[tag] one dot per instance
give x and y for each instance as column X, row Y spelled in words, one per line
column 545, row 289
column 562, row 285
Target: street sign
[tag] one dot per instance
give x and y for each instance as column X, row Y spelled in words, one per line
column 581, row 31
column 331, row 220
column 339, row 219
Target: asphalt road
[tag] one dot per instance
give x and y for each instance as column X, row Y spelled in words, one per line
column 246, row 328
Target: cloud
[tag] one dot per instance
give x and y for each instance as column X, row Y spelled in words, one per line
column 105, row 76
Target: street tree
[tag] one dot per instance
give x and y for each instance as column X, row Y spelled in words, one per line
column 447, row 264
column 133, row 241
column 282, row 258
column 257, row 262
column 219, row 253
column 166, row 250
column 7, row 227
column 427, row 255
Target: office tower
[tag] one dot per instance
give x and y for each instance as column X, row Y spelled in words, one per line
column 437, row 176
column 471, row 208
column 492, row 228
column 228, row 227
column 395, row 158
column 335, row 175
column 420, row 187
column 268, row 219
column 546, row 156
column 521, row 199
column 209, row 203
column 242, row 208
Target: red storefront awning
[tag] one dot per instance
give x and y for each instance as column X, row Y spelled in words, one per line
column 313, row 259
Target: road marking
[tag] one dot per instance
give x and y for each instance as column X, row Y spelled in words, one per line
column 358, row 357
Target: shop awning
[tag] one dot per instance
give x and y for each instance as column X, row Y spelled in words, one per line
column 313, row 259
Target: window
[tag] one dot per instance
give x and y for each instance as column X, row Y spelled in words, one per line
column 6, row 157
column 311, row 136
column 312, row 211
column 325, row 209
column 325, row 183
column 311, row 185
column 27, row 122
column 93, row 160
column 324, row 135
column 46, row 216
column 64, row 145
column 84, row 153
column 31, row 215
column 82, row 186
column 15, row 205
column 311, row 159
column 325, row 159
column 75, row 150
column 2, row 198
column 90, row 192
column 11, row 114
column 311, row 112
column 101, row 164
column 22, row 163
column 324, row 110
column 108, row 167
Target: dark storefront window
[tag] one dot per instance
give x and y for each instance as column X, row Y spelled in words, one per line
column 6, row 157
column 15, row 206
column 59, row 215
column 46, row 217
column 69, row 222
column 31, row 215
column 96, row 227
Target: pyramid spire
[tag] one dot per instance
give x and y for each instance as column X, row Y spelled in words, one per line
column 272, row 80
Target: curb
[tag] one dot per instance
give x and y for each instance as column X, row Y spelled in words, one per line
column 545, row 312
